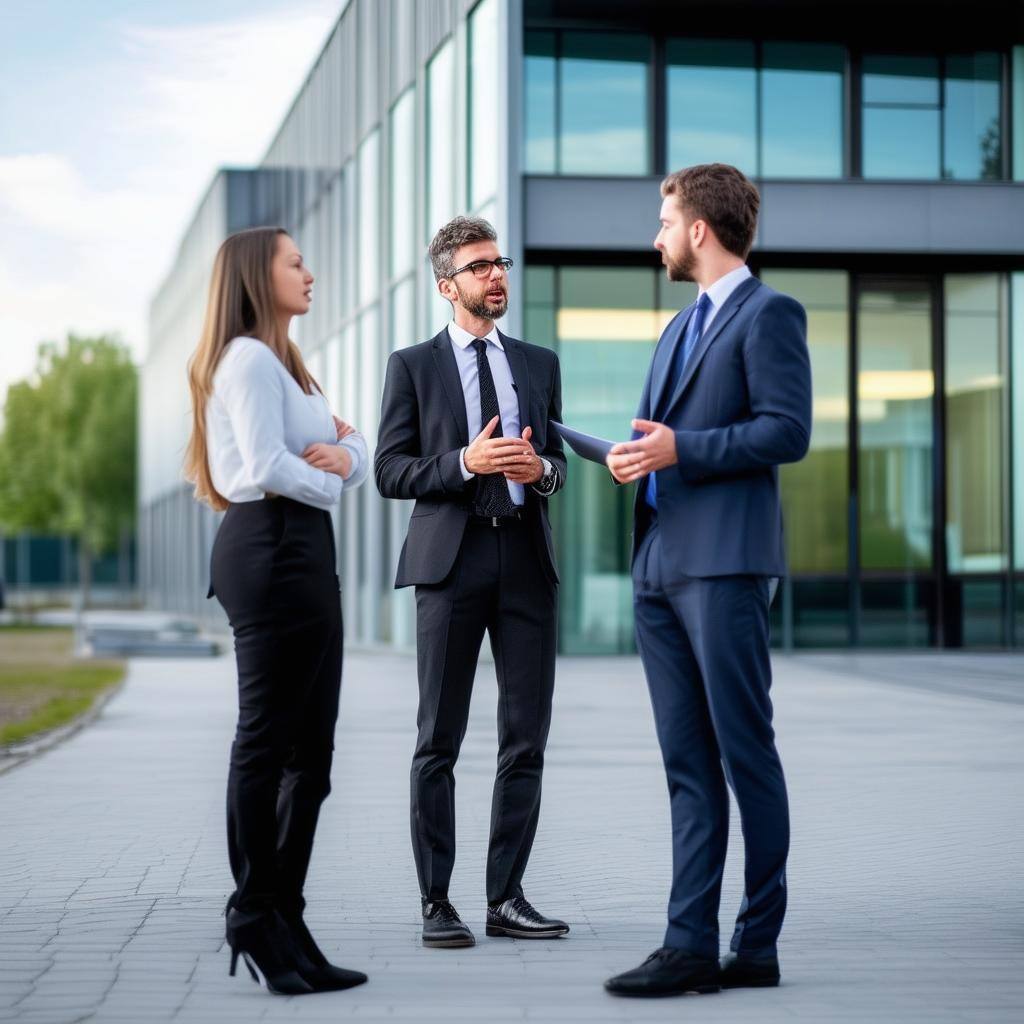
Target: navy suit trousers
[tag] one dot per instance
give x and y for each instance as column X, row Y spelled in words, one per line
column 704, row 646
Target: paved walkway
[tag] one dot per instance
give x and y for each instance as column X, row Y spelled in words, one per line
column 907, row 889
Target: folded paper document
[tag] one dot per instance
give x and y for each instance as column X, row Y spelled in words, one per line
column 586, row 445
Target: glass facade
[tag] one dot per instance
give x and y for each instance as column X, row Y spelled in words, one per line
column 869, row 563
column 587, row 103
column 774, row 111
column 931, row 117
column 774, row 108
column 905, row 522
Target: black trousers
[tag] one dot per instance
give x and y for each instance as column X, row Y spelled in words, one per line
column 497, row 584
column 704, row 646
column 273, row 570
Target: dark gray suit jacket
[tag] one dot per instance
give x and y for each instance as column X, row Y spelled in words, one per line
column 742, row 407
column 423, row 428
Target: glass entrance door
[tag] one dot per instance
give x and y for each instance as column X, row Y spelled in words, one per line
column 895, row 426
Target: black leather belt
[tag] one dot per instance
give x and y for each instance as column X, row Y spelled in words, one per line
column 495, row 521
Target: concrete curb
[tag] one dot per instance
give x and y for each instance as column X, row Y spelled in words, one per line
column 18, row 753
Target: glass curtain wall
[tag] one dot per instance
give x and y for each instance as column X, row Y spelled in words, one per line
column 876, row 565
column 773, row 111
column 895, row 436
column 587, row 103
column 1016, row 320
column 814, row 602
column 929, row 117
column 976, row 471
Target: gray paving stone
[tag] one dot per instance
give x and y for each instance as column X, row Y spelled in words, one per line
column 905, row 881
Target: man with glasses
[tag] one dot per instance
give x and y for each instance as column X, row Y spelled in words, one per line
column 465, row 431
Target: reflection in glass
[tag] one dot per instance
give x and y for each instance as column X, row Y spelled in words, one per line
column 982, row 613
column 712, row 103
column 606, row 325
column 901, row 99
column 975, row 383
column 1017, row 109
column 483, row 91
column 802, row 110
column 539, row 88
column 896, row 613
column 973, row 147
column 821, row 611
column 603, row 103
column 894, row 388
column 441, row 138
column 402, row 186
column 368, row 271
column 1017, row 415
column 814, row 491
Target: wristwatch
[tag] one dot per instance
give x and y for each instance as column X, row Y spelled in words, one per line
column 546, row 484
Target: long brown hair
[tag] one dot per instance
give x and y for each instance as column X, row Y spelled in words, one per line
column 241, row 302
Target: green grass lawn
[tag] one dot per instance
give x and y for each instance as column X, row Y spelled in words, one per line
column 42, row 685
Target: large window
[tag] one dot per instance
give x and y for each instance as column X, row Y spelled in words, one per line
column 712, row 103
column 587, row 103
column 894, row 393
column 802, row 110
column 925, row 117
column 440, row 139
column 773, row 108
column 369, row 218
column 975, row 392
column 777, row 115
column 483, row 97
column 403, row 185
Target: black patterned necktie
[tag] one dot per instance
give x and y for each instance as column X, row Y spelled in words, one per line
column 492, row 495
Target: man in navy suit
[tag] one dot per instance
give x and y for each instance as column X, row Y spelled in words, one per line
column 727, row 399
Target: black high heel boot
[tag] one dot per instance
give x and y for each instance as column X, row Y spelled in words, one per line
column 313, row 965
column 267, row 948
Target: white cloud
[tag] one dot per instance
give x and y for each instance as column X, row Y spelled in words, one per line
column 87, row 238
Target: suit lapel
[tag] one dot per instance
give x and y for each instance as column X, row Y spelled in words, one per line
column 448, row 369
column 662, row 362
column 520, row 374
column 721, row 321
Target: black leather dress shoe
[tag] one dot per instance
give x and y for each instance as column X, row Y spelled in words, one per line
column 517, row 919
column 667, row 972
column 750, row 971
column 442, row 926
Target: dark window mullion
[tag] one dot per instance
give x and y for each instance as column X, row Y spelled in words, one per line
column 855, row 129
column 657, row 106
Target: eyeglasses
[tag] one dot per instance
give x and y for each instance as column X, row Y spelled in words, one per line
column 482, row 268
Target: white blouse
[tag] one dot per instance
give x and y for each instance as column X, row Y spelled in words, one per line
column 258, row 424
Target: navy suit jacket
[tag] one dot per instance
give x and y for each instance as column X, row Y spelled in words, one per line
column 742, row 407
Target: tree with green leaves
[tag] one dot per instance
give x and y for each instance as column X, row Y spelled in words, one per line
column 67, row 452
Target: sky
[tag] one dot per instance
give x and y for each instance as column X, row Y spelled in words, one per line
column 114, row 117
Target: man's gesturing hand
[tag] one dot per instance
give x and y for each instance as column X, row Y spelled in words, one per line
column 489, row 454
column 529, row 469
column 631, row 460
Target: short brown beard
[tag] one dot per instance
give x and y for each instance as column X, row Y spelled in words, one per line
column 681, row 268
column 480, row 308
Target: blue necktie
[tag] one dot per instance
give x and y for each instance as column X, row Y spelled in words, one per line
column 680, row 357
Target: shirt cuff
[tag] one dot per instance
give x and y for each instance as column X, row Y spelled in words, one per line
column 466, row 475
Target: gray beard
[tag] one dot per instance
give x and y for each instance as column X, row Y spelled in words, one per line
column 482, row 310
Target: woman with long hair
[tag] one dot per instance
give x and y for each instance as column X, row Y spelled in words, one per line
column 268, row 452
